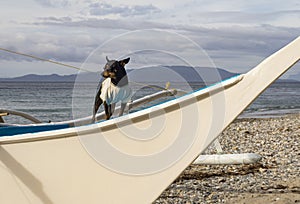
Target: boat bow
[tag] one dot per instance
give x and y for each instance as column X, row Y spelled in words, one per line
column 130, row 159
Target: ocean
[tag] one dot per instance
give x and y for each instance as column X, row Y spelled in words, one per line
column 59, row 101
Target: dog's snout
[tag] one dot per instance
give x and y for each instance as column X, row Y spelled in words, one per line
column 107, row 74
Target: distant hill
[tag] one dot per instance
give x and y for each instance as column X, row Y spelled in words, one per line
column 41, row 78
column 178, row 74
column 153, row 74
column 147, row 74
column 287, row 81
column 295, row 77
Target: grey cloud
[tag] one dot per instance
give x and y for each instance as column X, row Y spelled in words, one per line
column 103, row 9
column 102, row 23
column 55, row 47
column 258, row 32
column 54, row 3
column 259, row 40
column 55, row 19
column 225, row 43
column 242, row 17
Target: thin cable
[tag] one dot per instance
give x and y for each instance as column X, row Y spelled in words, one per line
column 74, row 67
column 45, row 60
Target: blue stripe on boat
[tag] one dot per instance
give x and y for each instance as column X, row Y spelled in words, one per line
column 17, row 130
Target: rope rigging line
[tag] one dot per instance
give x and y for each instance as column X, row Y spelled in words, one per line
column 153, row 86
column 45, row 60
column 80, row 69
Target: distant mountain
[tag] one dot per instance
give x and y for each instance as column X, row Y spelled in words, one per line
column 295, row 77
column 148, row 74
column 287, row 81
column 41, row 78
column 179, row 74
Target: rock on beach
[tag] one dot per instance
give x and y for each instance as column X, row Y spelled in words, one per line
column 275, row 179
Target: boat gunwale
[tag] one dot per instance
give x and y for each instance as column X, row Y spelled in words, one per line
column 170, row 105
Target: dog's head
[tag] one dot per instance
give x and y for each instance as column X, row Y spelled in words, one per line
column 115, row 70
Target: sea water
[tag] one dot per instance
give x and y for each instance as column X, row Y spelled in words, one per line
column 59, row 101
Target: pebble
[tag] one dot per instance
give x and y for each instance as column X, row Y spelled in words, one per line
column 275, row 139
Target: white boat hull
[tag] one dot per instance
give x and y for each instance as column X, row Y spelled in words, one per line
column 77, row 165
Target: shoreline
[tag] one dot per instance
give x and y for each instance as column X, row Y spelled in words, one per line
column 266, row 115
column 275, row 179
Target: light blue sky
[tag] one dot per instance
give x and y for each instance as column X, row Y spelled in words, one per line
column 236, row 35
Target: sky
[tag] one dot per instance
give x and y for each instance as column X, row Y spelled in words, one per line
column 235, row 35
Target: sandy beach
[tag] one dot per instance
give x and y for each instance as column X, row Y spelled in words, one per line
column 275, row 179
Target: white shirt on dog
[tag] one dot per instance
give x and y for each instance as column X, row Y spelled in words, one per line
column 113, row 94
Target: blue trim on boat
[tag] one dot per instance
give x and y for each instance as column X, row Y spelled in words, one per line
column 189, row 93
column 17, row 130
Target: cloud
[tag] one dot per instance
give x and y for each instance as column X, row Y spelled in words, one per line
column 120, row 24
column 254, row 6
column 56, row 19
column 210, row 37
column 48, row 46
column 234, row 35
column 104, row 9
column 239, row 17
column 229, row 45
column 54, row 3
column 251, row 39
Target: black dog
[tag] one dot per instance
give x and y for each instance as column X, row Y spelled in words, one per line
column 114, row 88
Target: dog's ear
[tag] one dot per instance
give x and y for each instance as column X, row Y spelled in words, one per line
column 124, row 61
